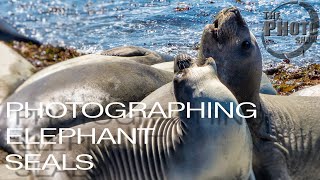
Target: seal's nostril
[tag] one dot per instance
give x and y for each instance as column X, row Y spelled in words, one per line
column 183, row 61
column 230, row 9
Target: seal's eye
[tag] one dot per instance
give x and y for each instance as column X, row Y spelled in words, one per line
column 246, row 45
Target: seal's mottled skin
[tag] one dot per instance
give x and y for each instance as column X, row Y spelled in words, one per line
column 14, row 70
column 286, row 132
column 92, row 78
column 178, row 148
column 310, row 91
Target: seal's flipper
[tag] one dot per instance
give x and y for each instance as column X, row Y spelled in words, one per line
column 138, row 54
column 127, row 51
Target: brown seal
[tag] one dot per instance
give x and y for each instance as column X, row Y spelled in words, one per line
column 286, row 132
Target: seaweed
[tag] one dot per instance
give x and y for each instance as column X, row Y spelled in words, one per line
column 287, row 79
column 44, row 55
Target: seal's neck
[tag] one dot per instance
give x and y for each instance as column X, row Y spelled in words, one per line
column 201, row 57
column 248, row 91
column 243, row 80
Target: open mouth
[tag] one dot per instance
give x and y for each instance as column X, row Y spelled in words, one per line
column 226, row 23
column 230, row 14
column 216, row 27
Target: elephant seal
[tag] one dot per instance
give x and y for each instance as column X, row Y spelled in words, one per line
column 192, row 147
column 138, row 54
column 165, row 93
column 14, row 70
column 95, row 78
column 265, row 86
column 133, row 53
column 166, row 66
column 9, row 34
column 286, row 132
column 310, row 91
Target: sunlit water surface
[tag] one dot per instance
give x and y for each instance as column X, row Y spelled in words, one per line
column 92, row 26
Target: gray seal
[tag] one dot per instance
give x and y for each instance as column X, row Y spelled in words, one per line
column 265, row 85
column 286, row 132
column 91, row 78
column 14, row 71
column 178, row 148
column 138, row 54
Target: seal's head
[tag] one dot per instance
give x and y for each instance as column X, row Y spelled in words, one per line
column 222, row 138
column 197, row 84
column 236, row 53
column 191, row 80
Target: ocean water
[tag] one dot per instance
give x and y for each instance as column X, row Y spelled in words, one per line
column 92, row 25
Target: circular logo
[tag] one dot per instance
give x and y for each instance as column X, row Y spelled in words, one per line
column 273, row 21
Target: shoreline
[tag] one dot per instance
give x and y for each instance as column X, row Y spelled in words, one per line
column 285, row 77
column 44, row 55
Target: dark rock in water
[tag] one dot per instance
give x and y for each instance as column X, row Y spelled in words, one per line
column 286, row 61
column 44, row 55
column 272, row 70
column 9, row 34
column 182, row 7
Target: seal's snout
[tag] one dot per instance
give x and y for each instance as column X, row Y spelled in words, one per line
column 183, row 61
column 231, row 9
column 228, row 14
column 223, row 14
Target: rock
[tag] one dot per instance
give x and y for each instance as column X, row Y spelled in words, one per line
column 182, row 7
column 14, row 70
column 44, row 55
column 272, row 70
column 9, row 34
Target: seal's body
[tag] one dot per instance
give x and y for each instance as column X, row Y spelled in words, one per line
column 286, row 131
column 165, row 94
column 178, row 148
column 310, row 91
column 14, row 71
column 288, row 138
column 95, row 78
column 138, row 54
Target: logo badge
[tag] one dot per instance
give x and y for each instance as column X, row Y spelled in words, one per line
column 298, row 29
